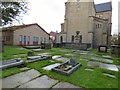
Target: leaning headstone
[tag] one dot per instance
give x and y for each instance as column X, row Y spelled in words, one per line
column 72, row 62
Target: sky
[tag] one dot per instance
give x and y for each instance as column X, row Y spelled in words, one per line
column 49, row 14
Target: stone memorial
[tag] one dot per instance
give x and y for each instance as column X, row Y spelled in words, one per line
column 67, row 68
column 10, row 63
column 102, row 48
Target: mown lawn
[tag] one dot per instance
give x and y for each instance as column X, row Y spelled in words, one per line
column 81, row 77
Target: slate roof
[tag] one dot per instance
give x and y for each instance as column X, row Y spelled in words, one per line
column 13, row 28
column 103, row 7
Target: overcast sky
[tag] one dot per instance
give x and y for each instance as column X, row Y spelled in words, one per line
column 49, row 14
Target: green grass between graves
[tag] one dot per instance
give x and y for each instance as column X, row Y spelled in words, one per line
column 81, row 77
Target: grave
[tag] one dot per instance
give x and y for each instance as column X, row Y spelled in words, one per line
column 49, row 67
column 109, row 75
column 71, row 54
column 56, row 56
column 66, row 85
column 102, row 59
column 37, row 50
column 89, row 69
column 116, row 49
column 63, row 59
column 31, row 47
column 106, row 56
column 37, row 58
column 19, row 79
column 10, row 63
column 102, row 48
column 102, row 65
column 41, row 82
column 67, row 68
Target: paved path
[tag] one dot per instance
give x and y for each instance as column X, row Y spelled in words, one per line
column 34, row 79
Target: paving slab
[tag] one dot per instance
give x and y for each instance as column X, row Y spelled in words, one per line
column 102, row 65
column 18, row 79
column 49, row 67
column 41, row 82
column 65, row 85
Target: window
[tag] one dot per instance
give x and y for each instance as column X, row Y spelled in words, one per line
column 44, row 40
column 28, row 38
column 24, row 38
column 21, row 38
column 72, row 38
column 41, row 39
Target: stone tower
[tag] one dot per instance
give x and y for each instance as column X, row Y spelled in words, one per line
column 93, row 22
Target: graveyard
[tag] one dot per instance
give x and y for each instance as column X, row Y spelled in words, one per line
column 75, row 68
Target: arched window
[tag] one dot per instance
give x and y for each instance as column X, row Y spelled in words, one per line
column 72, row 39
column 80, row 38
column 61, row 39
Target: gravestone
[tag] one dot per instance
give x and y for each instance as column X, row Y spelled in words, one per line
column 72, row 62
column 102, row 48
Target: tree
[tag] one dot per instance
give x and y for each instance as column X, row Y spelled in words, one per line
column 12, row 11
column 116, row 39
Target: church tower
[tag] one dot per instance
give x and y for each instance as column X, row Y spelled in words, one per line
column 77, row 18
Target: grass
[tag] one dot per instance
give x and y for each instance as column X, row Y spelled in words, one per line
column 9, row 51
column 81, row 77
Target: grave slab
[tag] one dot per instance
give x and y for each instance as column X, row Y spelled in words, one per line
column 109, row 75
column 102, row 59
column 63, row 59
column 102, row 65
column 51, row 66
column 18, row 79
column 65, row 85
column 89, row 69
column 56, row 56
column 41, row 82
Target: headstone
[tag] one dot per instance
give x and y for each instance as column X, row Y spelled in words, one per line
column 72, row 62
column 102, row 48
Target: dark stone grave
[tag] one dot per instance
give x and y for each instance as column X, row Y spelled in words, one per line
column 10, row 63
column 102, row 48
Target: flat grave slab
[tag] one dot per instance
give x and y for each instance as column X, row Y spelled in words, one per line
column 106, row 56
column 41, row 82
column 102, row 65
column 89, row 69
column 10, row 63
column 37, row 50
column 71, row 54
column 102, row 59
column 19, row 79
column 63, row 59
column 109, row 75
column 56, row 56
column 49, row 67
column 65, row 85
column 37, row 58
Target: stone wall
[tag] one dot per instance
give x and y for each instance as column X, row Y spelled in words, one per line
column 76, row 46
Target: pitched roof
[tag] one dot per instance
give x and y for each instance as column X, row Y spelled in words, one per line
column 13, row 28
column 103, row 7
